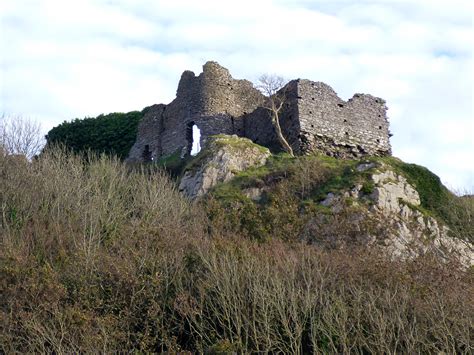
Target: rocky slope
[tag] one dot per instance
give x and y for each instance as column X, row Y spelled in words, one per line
column 397, row 224
column 328, row 202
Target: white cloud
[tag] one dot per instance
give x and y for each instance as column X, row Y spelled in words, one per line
column 66, row 59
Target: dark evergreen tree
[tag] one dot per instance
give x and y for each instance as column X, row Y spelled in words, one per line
column 112, row 134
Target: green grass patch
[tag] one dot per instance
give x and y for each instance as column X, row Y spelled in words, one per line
column 368, row 187
column 221, row 140
column 433, row 194
column 343, row 175
column 173, row 163
column 286, row 178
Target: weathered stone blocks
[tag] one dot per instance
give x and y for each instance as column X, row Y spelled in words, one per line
column 313, row 119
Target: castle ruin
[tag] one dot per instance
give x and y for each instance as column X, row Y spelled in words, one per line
column 313, row 119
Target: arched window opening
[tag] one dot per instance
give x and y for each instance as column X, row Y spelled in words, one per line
column 193, row 137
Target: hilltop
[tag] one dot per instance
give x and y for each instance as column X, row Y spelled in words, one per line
column 281, row 257
column 119, row 239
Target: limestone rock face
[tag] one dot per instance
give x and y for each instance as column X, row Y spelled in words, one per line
column 390, row 189
column 220, row 160
column 388, row 218
column 412, row 233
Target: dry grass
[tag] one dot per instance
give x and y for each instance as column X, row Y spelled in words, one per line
column 95, row 257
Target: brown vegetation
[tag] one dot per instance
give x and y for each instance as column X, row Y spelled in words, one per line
column 95, row 256
column 20, row 136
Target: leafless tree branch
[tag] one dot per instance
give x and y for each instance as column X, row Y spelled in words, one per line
column 20, row 135
column 270, row 86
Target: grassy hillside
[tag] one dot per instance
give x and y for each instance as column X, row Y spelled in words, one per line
column 294, row 187
column 95, row 256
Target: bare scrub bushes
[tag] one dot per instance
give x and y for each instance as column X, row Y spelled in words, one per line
column 71, row 204
column 272, row 298
column 237, row 296
column 95, row 257
column 76, row 235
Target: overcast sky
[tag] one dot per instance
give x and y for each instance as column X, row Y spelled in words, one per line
column 65, row 59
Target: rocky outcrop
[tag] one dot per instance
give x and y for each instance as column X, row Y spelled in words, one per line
column 220, row 160
column 389, row 216
column 392, row 192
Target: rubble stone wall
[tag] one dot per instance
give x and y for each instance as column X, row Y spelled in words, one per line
column 213, row 101
column 313, row 118
column 341, row 128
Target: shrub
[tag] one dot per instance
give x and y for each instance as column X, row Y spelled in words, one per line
column 113, row 134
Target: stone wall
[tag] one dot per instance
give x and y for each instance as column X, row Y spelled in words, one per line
column 259, row 128
column 313, row 118
column 148, row 144
column 343, row 129
column 213, row 101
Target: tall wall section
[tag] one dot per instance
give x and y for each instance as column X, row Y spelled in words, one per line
column 338, row 128
column 148, row 141
column 213, row 101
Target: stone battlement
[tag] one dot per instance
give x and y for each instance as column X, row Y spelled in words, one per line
column 314, row 118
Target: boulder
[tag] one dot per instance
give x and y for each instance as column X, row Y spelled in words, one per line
column 221, row 159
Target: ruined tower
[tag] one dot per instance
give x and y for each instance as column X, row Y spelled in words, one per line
column 213, row 101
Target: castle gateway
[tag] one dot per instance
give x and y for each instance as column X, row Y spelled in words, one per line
column 313, row 119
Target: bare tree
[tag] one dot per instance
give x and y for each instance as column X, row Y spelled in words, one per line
column 271, row 86
column 19, row 135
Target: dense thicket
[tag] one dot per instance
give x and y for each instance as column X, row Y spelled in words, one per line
column 113, row 133
column 97, row 257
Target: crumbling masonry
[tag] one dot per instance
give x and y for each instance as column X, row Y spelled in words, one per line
column 314, row 118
